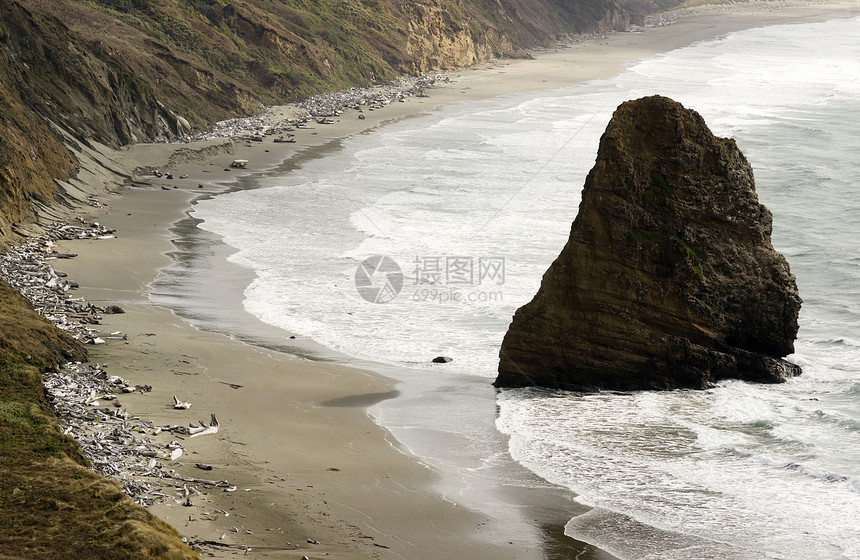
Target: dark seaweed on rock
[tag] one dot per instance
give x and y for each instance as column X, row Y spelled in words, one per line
column 669, row 278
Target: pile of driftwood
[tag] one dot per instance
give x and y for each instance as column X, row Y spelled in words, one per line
column 28, row 269
column 318, row 107
column 121, row 445
column 333, row 104
column 86, row 398
column 252, row 128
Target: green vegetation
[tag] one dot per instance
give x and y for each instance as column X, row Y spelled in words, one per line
column 51, row 505
column 672, row 250
column 662, row 189
column 333, row 42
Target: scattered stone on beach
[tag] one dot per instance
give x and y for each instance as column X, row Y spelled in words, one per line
column 442, row 360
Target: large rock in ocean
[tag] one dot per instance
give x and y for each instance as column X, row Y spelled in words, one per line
column 669, row 278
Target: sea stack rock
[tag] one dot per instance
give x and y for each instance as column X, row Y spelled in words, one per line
column 669, row 278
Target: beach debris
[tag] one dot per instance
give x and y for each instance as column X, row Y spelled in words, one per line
column 212, row 428
column 320, row 109
column 26, row 268
column 118, row 444
column 239, row 163
column 180, row 405
column 203, row 466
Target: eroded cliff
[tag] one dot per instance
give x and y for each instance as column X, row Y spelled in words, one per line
column 669, row 278
column 119, row 72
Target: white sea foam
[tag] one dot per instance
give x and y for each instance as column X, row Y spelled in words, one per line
column 740, row 471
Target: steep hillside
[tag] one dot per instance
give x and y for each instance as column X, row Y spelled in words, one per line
column 125, row 71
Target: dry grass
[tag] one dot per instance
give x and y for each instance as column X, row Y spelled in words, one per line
column 51, row 506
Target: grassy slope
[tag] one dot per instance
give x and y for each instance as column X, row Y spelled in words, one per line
column 51, row 506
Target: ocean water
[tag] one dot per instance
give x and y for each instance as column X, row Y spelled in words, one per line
column 423, row 238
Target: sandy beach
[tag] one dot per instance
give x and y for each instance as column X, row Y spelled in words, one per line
column 314, row 475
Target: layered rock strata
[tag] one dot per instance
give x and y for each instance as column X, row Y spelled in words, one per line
column 669, row 278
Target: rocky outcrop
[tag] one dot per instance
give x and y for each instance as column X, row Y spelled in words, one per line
column 669, row 278
column 435, row 40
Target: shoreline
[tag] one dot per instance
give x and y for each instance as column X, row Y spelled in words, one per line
column 334, row 455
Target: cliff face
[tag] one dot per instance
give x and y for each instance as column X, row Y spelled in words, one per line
column 31, row 157
column 120, row 72
column 669, row 278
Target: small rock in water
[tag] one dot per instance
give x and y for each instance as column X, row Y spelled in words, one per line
column 442, row 360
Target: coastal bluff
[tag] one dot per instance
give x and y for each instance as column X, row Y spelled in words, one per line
column 669, row 278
